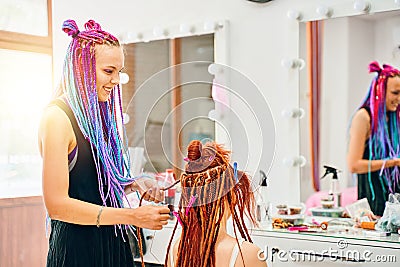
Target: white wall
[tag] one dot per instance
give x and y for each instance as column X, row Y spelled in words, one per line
column 260, row 35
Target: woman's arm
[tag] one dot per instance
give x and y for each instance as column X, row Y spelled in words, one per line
column 55, row 137
column 359, row 133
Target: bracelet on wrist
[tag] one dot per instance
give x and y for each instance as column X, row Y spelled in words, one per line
column 98, row 216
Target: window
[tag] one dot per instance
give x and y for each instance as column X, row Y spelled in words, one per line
column 26, row 86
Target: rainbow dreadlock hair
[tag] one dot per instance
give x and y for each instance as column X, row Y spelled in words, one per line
column 384, row 138
column 97, row 120
column 209, row 186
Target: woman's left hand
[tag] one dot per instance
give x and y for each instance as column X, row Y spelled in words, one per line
column 149, row 187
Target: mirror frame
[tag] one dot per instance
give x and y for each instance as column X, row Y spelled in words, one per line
column 219, row 29
column 336, row 11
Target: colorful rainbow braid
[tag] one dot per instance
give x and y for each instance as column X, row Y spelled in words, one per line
column 97, row 120
column 384, row 139
column 209, row 187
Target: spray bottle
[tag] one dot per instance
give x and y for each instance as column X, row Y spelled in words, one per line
column 334, row 187
column 262, row 205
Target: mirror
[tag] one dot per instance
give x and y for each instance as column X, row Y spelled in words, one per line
column 348, row 45
column 153, row 110
column 168, row 98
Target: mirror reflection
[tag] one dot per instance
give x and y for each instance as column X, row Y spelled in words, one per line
column 150, row 128
column 346, row 47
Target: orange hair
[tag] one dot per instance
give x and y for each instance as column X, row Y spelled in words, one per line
column 210, row 180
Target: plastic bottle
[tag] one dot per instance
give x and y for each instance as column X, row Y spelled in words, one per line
column 170, row 193
column 262, row 206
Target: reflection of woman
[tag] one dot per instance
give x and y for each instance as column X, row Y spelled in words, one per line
column 85, row 171
column 374, row 144
column 211, row 192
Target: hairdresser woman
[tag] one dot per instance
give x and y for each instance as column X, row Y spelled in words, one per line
column 84, row 165
column 374, row 145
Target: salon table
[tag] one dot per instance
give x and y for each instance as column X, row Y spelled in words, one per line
column 337, row 246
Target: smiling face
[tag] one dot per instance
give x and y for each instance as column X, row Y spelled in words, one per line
column 393, row 93
column 109, row 63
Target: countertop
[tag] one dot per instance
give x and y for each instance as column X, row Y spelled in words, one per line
column 337, row 229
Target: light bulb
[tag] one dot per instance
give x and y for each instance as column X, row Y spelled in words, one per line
column 362, row 6
column 125, row 117
column 293, row 63
column 299, row 161
column 210, row 26
column 213, row 115
column 130, row 36
column 123, row 78
column 214, row 69
column 293, row 113
column 139, row 36
column 184, row 28
column 294, row 14
column 159, row 32
column 324, row 11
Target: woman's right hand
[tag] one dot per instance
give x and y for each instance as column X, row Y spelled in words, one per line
column 151, row 217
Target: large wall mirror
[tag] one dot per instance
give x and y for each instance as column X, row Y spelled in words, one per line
column 166, row 107
column 347, row 45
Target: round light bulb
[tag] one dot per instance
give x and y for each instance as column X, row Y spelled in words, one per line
column 213, row 115
column 293, row 63
column 210, row 26
column 214, row 69
column 299, row 161
column 287, row 63
column 362, row 6
column 294, row 14
column 130, row 36
column 123, row 78
column 300, row 63
column 159, row 32
column 184, row 28
column 293, row 113
column 324, row 11
column 125, row 117
column 139, row 35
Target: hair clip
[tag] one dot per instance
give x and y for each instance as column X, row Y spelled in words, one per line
column 235, row 171
column 176, row 214
column 211, row 158
column 191, row 201
column 186, row 159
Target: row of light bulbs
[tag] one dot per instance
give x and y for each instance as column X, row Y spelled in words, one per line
column 326, row 11
column 183, row 29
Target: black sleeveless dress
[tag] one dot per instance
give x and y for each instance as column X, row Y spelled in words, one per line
column 73, row 245
column 380, row 188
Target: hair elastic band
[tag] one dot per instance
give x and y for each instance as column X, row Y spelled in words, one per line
column 176, row 214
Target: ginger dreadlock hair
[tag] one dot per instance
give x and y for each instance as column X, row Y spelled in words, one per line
column 213, row 185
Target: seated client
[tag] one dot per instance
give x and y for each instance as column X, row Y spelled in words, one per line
column 212, row 191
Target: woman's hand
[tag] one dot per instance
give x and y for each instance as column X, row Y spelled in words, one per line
column 149, row 187
column 151, row 217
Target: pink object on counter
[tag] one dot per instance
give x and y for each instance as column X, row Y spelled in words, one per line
column 349, row 195
column 297, row 228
